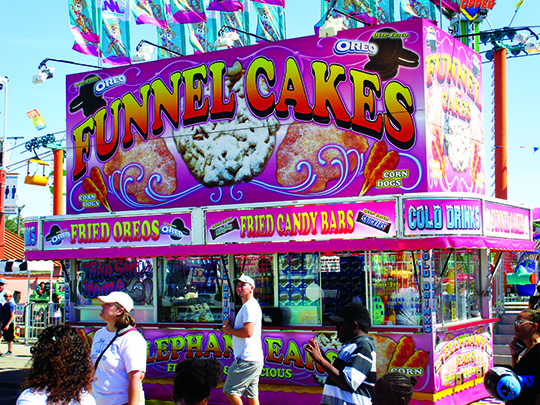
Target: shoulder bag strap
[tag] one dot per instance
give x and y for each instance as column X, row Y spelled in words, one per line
column 103, row 352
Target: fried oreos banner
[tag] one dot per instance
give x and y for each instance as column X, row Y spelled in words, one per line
column 301, row 119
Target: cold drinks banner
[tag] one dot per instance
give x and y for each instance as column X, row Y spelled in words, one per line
column 375, row 219
column 447, row 217
column 307, row 118
column 156, row 230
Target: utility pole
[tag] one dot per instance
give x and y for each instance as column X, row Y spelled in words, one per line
column 19, row 209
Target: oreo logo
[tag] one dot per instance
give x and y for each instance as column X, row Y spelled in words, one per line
column 345, row 46
column 106, row 84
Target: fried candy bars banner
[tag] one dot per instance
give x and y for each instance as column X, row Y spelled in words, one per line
column 444, row 216
column 333, row 221
column 300, row 119
column 158, row 230
column 460, row 357
column 286, row 363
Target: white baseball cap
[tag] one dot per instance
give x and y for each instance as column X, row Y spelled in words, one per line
column 118, row 297
column 245, row 279
column 3, row 281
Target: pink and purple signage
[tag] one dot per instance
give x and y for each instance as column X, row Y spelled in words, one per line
column 506, row 221
column 375, row 219
column 289, row 374
column 31, row 234
column 301, row 119
column 134, row 231
column 442, row 217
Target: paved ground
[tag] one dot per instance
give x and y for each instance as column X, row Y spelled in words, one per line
column 13, row 371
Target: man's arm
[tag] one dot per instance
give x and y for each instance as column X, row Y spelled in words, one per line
column 245, row 331
column 319, row 358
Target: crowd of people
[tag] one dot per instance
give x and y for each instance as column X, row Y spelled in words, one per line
column 65, row 371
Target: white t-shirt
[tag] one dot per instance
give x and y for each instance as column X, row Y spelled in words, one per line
column 249, row 349
column 32, row 396
column 2, row 299
column 126, row 354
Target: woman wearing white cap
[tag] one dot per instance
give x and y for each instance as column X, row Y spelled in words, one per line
column 119, row 354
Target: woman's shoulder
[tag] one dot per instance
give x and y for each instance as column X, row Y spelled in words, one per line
column 86, row 399
column 32, row 396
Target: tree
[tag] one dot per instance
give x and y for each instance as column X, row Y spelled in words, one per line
column 11, row 225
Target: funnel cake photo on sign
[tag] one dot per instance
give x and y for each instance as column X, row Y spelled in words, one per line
column 224, row 153
column 317, row 146
column 132, row 169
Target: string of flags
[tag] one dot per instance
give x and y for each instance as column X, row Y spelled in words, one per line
column 102, row 28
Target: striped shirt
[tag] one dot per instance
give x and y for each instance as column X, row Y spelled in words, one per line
column 356, row 362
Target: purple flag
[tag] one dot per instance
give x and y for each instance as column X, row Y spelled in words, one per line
column 115, row 33
column 187, row 11
column 446, row 4
column 225, row 5
column 83, row 17
column 149, row 12
column 280, row 3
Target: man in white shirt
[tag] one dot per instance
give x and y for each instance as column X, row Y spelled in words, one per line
column 243, row 375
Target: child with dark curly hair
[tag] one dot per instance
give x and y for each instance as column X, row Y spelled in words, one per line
column 194, row 381
column 393, row 389
column 61, row 371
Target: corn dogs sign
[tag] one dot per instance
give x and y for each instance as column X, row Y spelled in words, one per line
column 307, row 118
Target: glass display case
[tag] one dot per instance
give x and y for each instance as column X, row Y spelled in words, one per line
column 299, row 288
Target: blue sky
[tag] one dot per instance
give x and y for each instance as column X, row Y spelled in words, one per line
column 33, row 30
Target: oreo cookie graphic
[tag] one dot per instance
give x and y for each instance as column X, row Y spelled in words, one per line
column 390, row 54
column 87, row 98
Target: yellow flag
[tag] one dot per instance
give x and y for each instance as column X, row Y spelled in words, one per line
column 519, row 3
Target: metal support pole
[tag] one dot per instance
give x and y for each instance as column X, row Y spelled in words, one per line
column 58, row 181
column 499, row 104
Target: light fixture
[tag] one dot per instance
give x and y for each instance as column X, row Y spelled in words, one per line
column 45, row 72
column 331, row 27
column 226, row 40
column 144, row 51
column 532, row 47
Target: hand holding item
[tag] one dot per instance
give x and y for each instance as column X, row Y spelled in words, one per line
column 516, row 347
column 312, row 347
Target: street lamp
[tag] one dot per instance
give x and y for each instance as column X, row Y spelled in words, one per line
column 4, row 86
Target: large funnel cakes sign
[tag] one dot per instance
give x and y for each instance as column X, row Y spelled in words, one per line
column 307, row 118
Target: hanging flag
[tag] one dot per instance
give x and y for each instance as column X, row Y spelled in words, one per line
column 149, row 12
column 417, row 8
column 174, row 38
column 187, row 11
column 115, row 33
column 225, row 5
column 202, row 35
column 363, row 10
column 270, row 22
column 36, row 119
column 447, row 5
column 84, row 24
column 236, row 20
column 385, row 11
column 519, row 3
column 280, row 3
